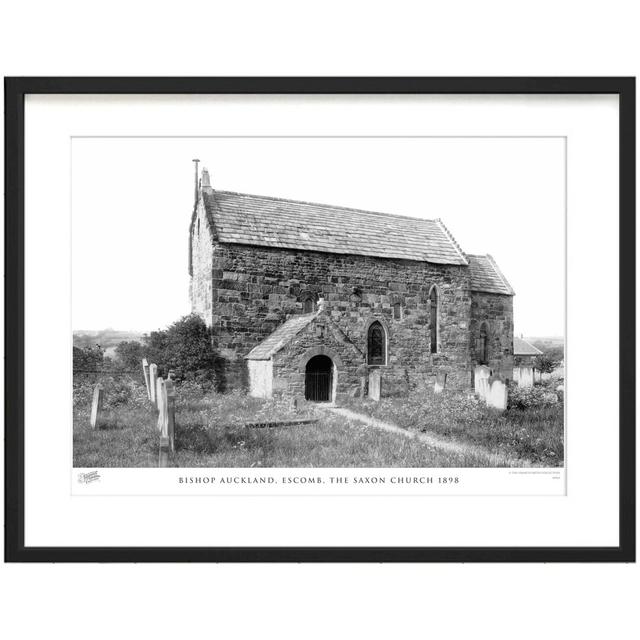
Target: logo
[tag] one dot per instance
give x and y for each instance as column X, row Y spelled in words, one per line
column 86, row 478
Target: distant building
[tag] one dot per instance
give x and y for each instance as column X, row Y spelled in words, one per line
column 524, row 356
column 309, row 300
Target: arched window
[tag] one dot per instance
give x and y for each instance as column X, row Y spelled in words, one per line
column 308, row 305
column 376, row 344
column 483, row 344
column 433, row 320
column 397, row 311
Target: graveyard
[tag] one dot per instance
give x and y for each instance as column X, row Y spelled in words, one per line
column 159, row 423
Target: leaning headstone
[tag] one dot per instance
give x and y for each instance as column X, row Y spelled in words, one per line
column 145, row 369
column 153, row 376
column 441, row 381
column 96, row 407
column 497, row 395
column 374, row 385
column 170, row 402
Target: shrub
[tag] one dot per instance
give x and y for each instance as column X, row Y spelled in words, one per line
column 528, row 397
column 118, row 391
column 186, row 349
column 88, row 358
column 129, row 355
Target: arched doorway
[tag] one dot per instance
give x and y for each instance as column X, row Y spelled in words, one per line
column 318, row 379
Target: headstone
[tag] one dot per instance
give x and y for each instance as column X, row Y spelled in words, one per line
column 441, row 381
column 161, row 405
column 374, row 385
column 170, row 396
column 525, row 376
column 153, row 376
column 96, row 407
column 497, row 397
column 145, row 369
column 481, row 381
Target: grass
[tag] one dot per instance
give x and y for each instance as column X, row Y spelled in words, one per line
column 211, row 433
column 330, row 442
column 534, row 436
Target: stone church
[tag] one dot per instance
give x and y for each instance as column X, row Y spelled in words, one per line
column 317, row 301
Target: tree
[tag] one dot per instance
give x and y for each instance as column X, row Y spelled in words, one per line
column 88, row 359
column 185, row 348
column 129, row 355
column 547, row 362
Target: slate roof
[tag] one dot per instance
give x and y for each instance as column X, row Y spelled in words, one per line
column 523, row 348
column 240, row 218
column 487, row 277
column 280, row 337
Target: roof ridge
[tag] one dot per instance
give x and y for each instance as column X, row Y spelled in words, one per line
column 453, row 240
column 494, row 264
column 325, row 204
column 281, row 343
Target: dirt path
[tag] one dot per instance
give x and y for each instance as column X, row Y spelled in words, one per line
column 491, row 458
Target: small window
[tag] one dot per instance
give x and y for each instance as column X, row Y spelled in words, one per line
column 397, row 311
column 308, row 305
column 433, row 320
column 198, row 226
column 376, row 345
column 483, row 344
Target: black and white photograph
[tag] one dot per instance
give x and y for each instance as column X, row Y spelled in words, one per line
column 336, row 302
column 287, row 324
column 320, row 320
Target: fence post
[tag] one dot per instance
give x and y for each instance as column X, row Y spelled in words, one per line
column 153, row 375
column 145, row 369
column 170, row 394
column 96, row 406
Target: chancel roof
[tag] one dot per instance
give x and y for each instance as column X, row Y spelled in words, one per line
column 487, row 277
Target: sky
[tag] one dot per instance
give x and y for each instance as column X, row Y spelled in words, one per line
column 132, row 200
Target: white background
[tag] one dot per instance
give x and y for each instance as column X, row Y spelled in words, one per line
column 53, row 517
column 502, row 196
column 489, row 38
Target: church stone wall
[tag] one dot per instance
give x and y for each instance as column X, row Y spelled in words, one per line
column 201, row 257
column 245, row 292
column 497, row 311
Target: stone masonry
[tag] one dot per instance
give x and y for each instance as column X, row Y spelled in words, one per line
column 244, row 291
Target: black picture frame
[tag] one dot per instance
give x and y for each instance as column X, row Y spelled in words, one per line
column 15, row 91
